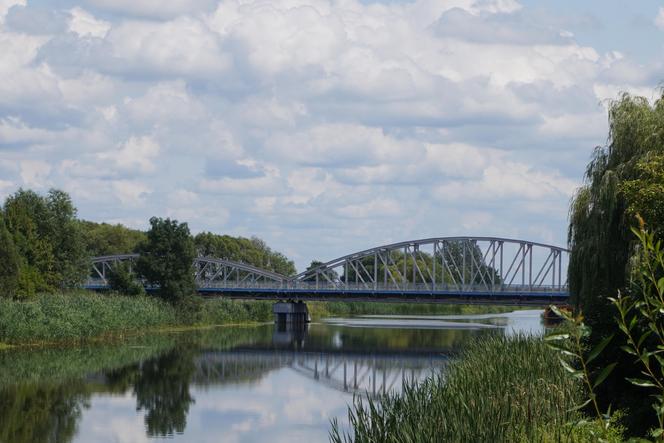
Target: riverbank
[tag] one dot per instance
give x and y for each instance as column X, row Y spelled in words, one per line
column 80, row 316
column 499, row 389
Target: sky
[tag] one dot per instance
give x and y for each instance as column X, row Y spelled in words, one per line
column 323, row 127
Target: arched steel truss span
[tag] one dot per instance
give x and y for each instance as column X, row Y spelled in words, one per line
column 441, row 267
column 209, row 272
column 456, row 264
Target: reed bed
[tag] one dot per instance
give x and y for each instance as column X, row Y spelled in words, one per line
column 219, row 312
column 498, row 390
column 325, row 309
column 79, row 316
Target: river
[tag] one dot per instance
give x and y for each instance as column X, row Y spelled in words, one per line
column 230, row 384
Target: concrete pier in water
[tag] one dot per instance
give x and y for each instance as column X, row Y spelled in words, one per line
column 291, row 312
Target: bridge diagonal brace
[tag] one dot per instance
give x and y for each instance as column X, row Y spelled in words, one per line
column 387, row 269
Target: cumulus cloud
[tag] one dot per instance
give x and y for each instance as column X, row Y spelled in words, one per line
column 35, row 173
column 659, row 19
column 136, row 154
column 85, row 24
column 152, row 8
column 311, row 123
column 5, row 5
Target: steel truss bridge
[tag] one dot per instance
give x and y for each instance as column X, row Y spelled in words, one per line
column 443, row 269
column 353, row 373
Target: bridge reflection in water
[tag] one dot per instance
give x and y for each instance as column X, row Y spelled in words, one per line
column 371, row 373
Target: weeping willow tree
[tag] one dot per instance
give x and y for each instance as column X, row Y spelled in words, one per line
column 619, row 182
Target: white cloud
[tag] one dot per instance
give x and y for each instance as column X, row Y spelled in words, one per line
column 183, row 46
column 509, row 181
column 34, row 173
column 659, row 19
column 85, row 24
column 15, row 131
column 136, row 154
column 301, row 120
column 380, row 207
column 6, row 4
column 152, row 8
column 130, row 192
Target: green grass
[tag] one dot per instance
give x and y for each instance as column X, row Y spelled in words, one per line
column 498, row 390
column 220, row 312
column 326, row 309
column 81, row 316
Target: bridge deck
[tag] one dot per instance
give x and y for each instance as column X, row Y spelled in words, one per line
column 448, row 297
column 517, row 298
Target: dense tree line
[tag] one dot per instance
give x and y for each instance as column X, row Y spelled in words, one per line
column 624, row 179
column 41, row 244
column 253, row 251
column 107, row 239
column 44, row 247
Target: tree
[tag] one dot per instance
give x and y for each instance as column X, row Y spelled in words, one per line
column 123, row 281
column 330, row 273
column 620, row 179
column 166, row 259
column 10, row 262
column 645, row 193
column 252, row 251
column 26, row 218
column 105, row 239
column 66, row 238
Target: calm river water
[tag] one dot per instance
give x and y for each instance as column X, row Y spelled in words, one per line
column 230, row 384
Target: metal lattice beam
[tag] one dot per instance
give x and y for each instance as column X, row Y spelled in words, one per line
column 459, row 265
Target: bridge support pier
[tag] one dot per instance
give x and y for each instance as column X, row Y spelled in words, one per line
column 291, row 312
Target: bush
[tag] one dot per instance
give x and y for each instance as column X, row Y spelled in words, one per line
column 123, row 281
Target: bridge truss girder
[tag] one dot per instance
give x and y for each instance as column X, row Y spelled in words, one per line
column 209, row 272
column 459, row 264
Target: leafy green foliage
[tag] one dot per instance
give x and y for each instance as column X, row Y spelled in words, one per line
column 252, row 251
column 70, row 258
column 166, row 258
column 621, row 178
column 641, row 320
column 10, row 263
column 498, row 390
column 104, row 239
column 123, row 281
column 570, row 343
column 48, row 239
column 645, row 193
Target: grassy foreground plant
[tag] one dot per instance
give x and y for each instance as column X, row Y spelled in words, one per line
column 499, row 390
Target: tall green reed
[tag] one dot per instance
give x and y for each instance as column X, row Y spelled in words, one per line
column 498, row 390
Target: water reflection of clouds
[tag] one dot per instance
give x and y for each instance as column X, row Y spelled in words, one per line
column 411, row 323
column 281, row 407
column 112, row 419
column 279, row 402
column 525, row 321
